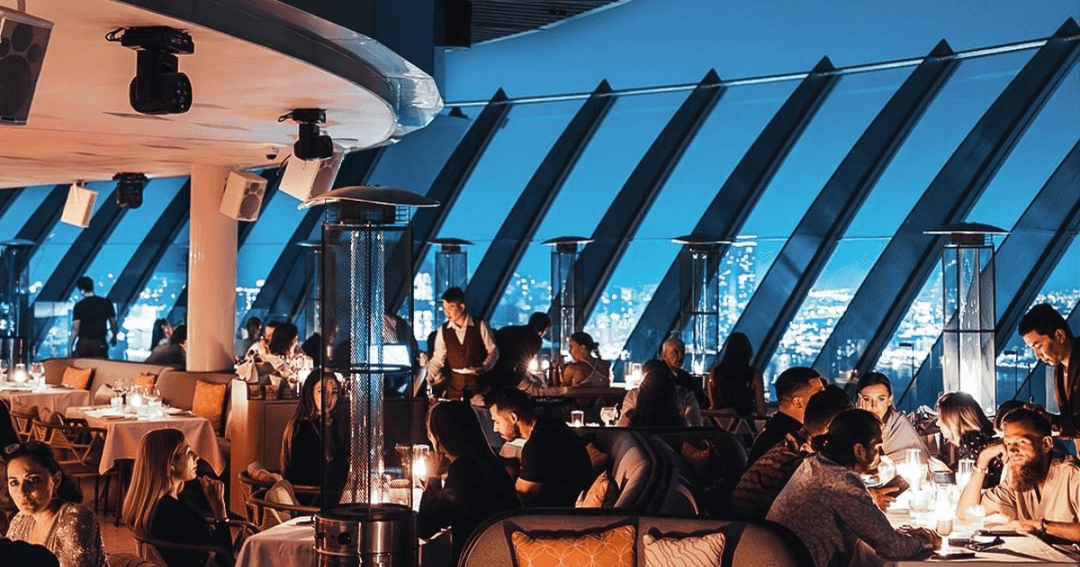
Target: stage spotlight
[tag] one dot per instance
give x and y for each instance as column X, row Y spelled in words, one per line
column 311, row 144
column 158, row 86
column 129, row 187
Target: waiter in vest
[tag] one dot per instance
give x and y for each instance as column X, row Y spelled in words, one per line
column 464, row 351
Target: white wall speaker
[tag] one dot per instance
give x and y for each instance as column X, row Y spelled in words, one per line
column 79, row 206
column 243, row 196
column 23, row 39
column 305, row 179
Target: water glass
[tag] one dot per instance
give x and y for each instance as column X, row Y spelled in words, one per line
column 117, row 402
column 577, row 418
column 974, row 516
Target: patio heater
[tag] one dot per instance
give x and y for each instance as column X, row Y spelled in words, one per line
column 451, row 270
column 700, row 300
column 366, row 241
column 14, row 296
column 312, row 251
column 967, row 277
column 565, row 292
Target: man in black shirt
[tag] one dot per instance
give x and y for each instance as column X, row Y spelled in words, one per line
column 555, row 466
column 794, row 387
column 90, row 317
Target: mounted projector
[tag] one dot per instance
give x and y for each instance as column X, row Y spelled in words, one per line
column 305, row 179
column 23, row 39
column 158, row 86
column 129, row 188
column 311, row 143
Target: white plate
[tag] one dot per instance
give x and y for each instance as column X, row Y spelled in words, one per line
column 175, row 411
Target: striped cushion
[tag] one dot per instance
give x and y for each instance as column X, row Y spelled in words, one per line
column 683, row 551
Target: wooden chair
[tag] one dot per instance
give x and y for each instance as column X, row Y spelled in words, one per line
column 78, row 449
column 22, row 418
column 255, row 502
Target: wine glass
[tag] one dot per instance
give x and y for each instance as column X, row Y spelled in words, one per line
column 609, row 414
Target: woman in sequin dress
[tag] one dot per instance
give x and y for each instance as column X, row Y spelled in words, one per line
column 49, row 509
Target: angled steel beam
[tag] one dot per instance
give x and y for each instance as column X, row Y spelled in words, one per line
column 736, row 199
column 44, row 217
column 493, row 274
column 7, row 198
column 600, row 257
column 140, row 268
column 454, row 174
column 896, row 278
column 283, row 290
column 804, row 255
column 79, row 256
column 1028, row 255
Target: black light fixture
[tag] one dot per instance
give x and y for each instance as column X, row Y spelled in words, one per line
column 311, row 143
column 129, row 188
column 158, row 86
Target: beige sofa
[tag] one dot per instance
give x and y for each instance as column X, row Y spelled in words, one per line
column 746, row 544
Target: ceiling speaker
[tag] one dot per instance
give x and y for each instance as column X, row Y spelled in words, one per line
column 243, row 196
column 305, row 179
column 23, row 39
column 79, row 205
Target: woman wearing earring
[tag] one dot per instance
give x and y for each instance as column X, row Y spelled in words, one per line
column 587, row 369
column 153, row 506
column 874, row 394
column 49, row 509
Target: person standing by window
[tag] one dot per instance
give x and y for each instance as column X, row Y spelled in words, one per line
column 91, row 314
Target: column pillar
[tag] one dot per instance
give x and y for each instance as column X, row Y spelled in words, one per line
column 211, row 314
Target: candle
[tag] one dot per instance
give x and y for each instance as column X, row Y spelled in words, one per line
column 19, row 376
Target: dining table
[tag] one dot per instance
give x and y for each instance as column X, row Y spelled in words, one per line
column 55, row 398
column 292, row 544
column 125, row 429
column 1009, row 548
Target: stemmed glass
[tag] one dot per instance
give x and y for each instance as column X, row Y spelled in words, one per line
column 37, row 372
column 609, row 414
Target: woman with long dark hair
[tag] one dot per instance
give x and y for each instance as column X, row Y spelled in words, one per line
column 734, row 384
column 314, row 441
column 50, row 513
column 477, row 485
column 153, row 505
column 829, row 508
column 874, row 394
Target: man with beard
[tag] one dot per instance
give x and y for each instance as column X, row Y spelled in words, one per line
column 1039, row 492
column 555, row 466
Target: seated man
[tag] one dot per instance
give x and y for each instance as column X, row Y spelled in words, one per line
column 794, row 387
column 555, row 466
column 673, row 353
column 1039, row 492
column 768, row 475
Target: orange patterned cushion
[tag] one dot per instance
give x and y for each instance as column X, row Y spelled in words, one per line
column 145, row 379
column 611, row 548
column 602, row 494
column 209, row 402
column 77, row 378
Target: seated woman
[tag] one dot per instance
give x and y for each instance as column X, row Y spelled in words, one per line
column 174, row 351
column 49, row 509
column 153, row 505
column 587, row 369
column 307, row 458
column 733, row 384
column 874, row 394
column 477, row 485
column 966, row 427
column 657, row 405
column 829, row 508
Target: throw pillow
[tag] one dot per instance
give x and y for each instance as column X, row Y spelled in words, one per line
column 599, row 460
column 77, row 378
column 610, row 548
column 209, row 402
column 602, row 494
column 145, row 379
column 678, row 550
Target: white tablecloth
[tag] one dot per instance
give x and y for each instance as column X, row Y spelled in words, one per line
column 292, row 544
column 123, row 436
column 1023, row 549
column 56, row 399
